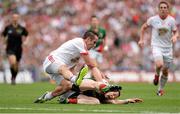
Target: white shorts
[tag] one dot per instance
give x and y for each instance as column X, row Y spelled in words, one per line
column 96, row 55
column 51, row 67
column 164, row 54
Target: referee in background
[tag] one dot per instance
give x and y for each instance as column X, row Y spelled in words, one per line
column 14, row 35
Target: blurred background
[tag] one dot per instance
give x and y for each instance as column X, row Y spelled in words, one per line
column 52, row 22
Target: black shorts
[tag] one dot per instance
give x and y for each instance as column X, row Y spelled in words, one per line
column 74, row 95
column 16, row 52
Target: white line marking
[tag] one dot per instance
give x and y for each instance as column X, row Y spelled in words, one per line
column 82, row 110
column 65, row 110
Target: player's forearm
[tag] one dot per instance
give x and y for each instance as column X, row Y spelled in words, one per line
column 142, row 31
column 96, row 74
column 122, row 101
column 93, row 66
column 127, row 101
column 4, row 39
column 89, row 61
column 118, row 101
column 176, row 34
column 25, row 40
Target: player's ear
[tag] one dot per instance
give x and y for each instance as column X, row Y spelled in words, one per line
column 119, row 93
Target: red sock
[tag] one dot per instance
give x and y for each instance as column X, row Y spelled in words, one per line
column 72, row 100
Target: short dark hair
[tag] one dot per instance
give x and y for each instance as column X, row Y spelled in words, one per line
column 164, row 2
column 90, row 34
column 115, row 88
column 94, row 16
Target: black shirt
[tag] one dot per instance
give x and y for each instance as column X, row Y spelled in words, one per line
column 93, row 93
column 14, row 35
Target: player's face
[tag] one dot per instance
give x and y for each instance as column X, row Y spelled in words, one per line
column 163, row 10
column 94, row 23
column 15, row 18
column 91, row 42
column 112, row 95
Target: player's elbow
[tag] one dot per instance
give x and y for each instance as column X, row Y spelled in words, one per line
column 92, row 64
column 144, row 27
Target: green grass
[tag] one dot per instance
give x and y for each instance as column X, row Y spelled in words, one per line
column 19, row 99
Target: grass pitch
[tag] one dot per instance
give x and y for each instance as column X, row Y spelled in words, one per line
column 19, row 99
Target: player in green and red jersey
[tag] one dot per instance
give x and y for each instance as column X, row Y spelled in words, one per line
column 97, row 51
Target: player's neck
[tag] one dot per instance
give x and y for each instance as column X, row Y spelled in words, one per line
column 15, row 24
column 163, row 17
column 95, row 29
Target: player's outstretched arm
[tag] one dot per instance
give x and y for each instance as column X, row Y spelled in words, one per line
column 126, row 101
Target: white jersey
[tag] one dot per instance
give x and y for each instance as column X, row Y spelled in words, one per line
column 162, row 30
column 69, row 52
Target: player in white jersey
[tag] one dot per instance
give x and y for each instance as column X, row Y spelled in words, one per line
column 164, row 34
column 60, row 65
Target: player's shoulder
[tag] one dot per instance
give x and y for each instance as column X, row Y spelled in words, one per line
column 154, row 17
column 9, row 26
column 77, row 40
column 102, row 29
column 171, row 18
column 21, row 26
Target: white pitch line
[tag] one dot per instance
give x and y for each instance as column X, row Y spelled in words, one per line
column 81, row 110
column 146, row 112
column 65, row 110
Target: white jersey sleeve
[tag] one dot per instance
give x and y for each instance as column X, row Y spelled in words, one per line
column 80, row 45
column 150, row 21
column 173, row 23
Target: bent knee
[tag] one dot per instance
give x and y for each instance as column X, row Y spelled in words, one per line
column 165, row 72
column 159, row 64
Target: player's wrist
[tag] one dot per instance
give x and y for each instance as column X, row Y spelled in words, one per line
column 127, row 101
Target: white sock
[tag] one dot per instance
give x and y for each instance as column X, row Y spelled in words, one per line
column 73, row 79
column 48, row 96
column 162, row 82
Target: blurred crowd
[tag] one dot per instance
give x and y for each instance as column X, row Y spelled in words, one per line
column 52, row 22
